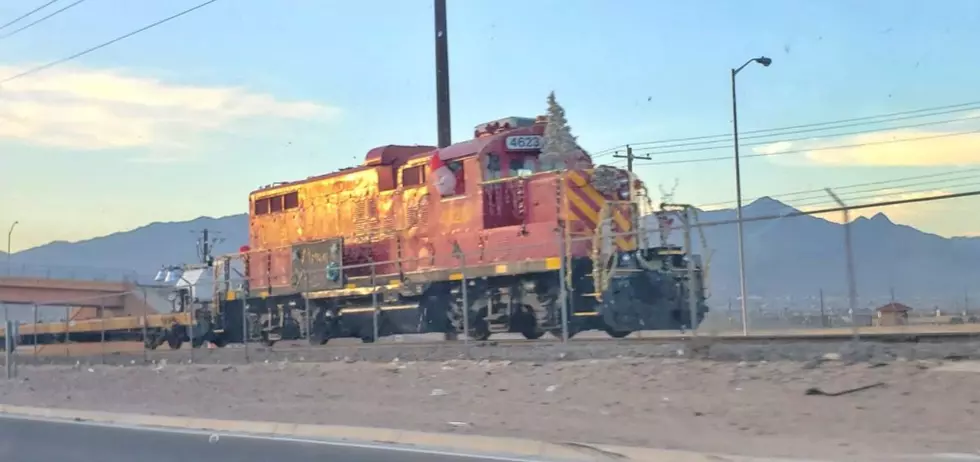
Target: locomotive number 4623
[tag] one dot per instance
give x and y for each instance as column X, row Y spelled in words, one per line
column 524, row 142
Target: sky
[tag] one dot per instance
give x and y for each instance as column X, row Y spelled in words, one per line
column 185, row 119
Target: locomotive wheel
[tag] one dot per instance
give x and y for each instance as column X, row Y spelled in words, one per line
column 618, row 333
column 480, row 330
column 219, row 340
column 150, row 342
column 535, row 334
column 527, row 324
column 318, row 337
column 173, row 341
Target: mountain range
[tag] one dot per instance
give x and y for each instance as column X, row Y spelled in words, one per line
column 791, row 257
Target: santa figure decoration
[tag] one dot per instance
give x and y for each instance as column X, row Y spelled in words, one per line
column 443, row 177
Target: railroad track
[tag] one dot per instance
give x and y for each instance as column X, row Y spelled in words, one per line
column 838, row 335
column 963, row 333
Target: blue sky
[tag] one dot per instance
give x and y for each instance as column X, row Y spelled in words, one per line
column 184, row 120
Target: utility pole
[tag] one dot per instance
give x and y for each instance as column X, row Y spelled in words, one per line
column 630, row 157
column 442, row 76
column 205, row 245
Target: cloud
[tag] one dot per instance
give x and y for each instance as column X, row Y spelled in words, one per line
column 91, row 109
column 902, row 147
column 903, row 213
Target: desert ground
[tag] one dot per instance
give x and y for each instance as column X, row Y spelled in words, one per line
column 753, row 408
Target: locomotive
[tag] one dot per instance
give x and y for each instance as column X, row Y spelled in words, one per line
column 475, row 237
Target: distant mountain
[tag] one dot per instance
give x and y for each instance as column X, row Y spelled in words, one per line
column 137, row 252
column 787, row 257
column 800, row 255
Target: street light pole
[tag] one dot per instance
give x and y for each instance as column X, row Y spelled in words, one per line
column 10, row 235
column 738, row 195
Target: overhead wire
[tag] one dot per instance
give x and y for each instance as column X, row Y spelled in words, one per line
column 826, row 210
column 854, row 195
column 40, row 20
column 25, row 15
column 889, row 117
column 846, row 189
column 807, row 150
column 647, row 152
column 57, row 62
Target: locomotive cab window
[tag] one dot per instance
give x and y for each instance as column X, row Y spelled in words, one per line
column 275, row 204
column 521, row 165
column 291, row 200
column 413, row 176
column 456, row 166
column 261, row 206
column 491, row 170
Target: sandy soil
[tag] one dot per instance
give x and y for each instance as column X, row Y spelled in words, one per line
column 739, row 408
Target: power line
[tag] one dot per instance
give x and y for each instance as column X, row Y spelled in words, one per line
column 21, row 17
column 803, row 151
column 105, row 44
column 805, row 138
column 822, row 211
column 40, row 20
column 892, row 116
column 850, row 196
column 822, row 191
column 812, row 130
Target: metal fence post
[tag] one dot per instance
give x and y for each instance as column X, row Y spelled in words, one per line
column 144, row 327
column 308, row 322
column 692, row 295
column 245, row 327
column 191, row 313
column 562, row 283
column 849, row 255
column 374, row 302
column 102, row 333
column 34, row 310
column 8, row 353
column 466, row 305
column 68, row 331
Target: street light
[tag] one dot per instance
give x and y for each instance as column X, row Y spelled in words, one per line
column 738, row 193
column 9, row 236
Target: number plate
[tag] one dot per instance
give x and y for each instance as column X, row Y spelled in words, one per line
column 524, row 143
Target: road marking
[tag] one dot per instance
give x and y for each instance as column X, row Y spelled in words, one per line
column 285, row 439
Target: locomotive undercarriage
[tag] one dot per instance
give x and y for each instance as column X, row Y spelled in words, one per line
column 634, row 298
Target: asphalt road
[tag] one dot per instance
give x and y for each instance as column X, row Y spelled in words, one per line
column 25, row 440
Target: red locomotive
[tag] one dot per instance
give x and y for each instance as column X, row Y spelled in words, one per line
column 417, row 239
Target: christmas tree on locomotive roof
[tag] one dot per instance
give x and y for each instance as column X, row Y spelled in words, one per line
column 560, row 150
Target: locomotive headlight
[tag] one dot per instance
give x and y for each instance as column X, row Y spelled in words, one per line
column 624, row 194
column 625, row 258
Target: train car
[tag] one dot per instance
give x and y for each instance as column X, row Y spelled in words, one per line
column 418, row 239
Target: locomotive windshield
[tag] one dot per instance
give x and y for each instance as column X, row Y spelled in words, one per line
column 509, row 165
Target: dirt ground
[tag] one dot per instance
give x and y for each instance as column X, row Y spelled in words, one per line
column 730, row 407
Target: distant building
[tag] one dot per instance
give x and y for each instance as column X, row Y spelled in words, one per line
column 893, row 314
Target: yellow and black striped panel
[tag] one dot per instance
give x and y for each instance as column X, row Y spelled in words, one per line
column 584, row 203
